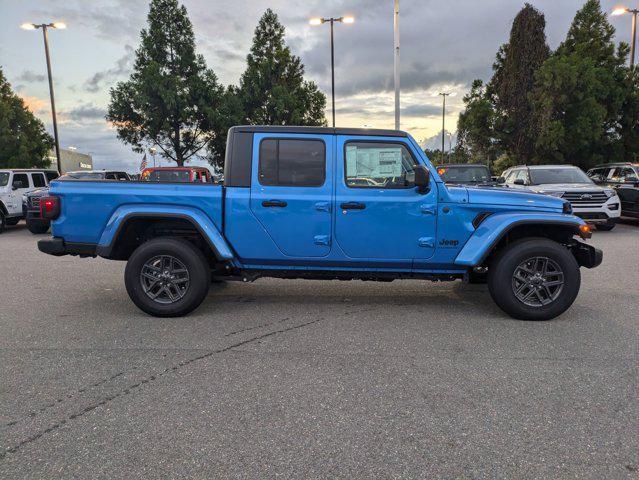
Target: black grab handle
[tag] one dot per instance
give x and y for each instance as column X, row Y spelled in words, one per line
column 274, row 203
column 352, row 206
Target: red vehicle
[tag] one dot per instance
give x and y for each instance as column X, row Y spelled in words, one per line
column 176, row 174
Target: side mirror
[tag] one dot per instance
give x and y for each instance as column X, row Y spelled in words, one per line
column 500, row 180
column 422, row 178
column 519, row 181
column 17, row 184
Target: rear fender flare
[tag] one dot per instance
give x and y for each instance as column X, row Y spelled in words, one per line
column 496, row 226
column 199, row 219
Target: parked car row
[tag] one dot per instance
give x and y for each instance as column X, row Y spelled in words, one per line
column 600, row 196
column 14, row 184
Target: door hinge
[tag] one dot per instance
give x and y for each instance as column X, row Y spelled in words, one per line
column 322, row 240
column 427, row 242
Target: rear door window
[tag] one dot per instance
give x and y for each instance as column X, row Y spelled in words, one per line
column 38, row 180
column 292, row 162
column 23, row 178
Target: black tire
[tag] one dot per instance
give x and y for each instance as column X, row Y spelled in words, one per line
column 193, row 262
column 37, row 227
column 11, row 222
column 3, row 221
column 503, row 281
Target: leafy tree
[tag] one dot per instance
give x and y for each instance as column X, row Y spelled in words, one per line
column 171, row 101
column 23, row 141
column 272, row 90
column 514, row 76
column 581, row 93
column 476, row 124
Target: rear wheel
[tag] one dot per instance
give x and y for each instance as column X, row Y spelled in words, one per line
column 534, row 279
column 3, row 221
column 37, row 226
column 13, row 221
column 166, row 277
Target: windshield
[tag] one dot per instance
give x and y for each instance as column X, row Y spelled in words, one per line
column 540, row 176
column 168, row 176
column 4, row 178
column 465, row 174
column 82, row 176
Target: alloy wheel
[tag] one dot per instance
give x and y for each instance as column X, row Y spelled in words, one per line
column 538, row 281
column 165, row 279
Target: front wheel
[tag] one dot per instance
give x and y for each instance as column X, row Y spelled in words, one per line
column 534, row 279
column 166, row 277
column 13, row 221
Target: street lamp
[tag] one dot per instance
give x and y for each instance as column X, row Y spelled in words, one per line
column 332, row 20
column 444, row 95
column 44, row 27
column 622, row 11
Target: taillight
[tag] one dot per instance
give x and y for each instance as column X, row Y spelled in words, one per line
column 50, row 207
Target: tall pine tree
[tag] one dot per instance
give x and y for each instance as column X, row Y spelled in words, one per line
column 171, row 101
column 514, row 75
column 272, row 90
column 580, row 93
column 23, row 141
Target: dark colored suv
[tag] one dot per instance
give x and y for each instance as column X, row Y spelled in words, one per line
column 624, row 178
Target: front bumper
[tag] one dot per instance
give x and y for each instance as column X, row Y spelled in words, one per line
column 58, row 247
column 586, row 255
column 607, row 213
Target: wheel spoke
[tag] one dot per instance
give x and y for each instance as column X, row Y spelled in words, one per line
column 537, row 281
column 165, row 279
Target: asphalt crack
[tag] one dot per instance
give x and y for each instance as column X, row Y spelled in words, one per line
column 144, row 381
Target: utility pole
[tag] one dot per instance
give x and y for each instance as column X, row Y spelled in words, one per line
column 396, row 61
column 444, row 95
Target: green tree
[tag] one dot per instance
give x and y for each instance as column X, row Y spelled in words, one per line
column 171, row 101
column 272, row 89
column 581, row 92
column 476, row 125
column 23, row 141
column 514, row 75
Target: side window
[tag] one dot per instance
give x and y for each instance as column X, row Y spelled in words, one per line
column 109, row 176
column 23, row 178
column 38, row 180
column 522, row 175
column 512, row 176
column 122, row 177
column 292, row 162
column 378, row 165
column 51, row 176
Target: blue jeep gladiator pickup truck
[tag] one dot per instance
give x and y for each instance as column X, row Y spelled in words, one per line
column 323, row 203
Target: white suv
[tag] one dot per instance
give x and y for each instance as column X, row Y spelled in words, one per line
column 596, row 205
column 13, row 185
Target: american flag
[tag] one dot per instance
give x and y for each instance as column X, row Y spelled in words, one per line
column 143, row 164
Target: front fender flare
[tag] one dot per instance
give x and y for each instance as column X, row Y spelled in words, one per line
column 198, row 218
column 492, row 230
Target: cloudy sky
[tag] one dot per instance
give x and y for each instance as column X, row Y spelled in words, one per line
column 445, row 44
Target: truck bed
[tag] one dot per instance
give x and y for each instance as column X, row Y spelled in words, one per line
column 91, row 204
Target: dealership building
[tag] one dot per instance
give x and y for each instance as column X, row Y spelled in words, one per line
column 71, row 160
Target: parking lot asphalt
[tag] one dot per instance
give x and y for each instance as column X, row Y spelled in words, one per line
column 307, row 379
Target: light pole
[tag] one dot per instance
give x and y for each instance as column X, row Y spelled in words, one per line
column 332, row 20
column 396, row 60
column 444, row 95
column 622, row 11
column 44, row 27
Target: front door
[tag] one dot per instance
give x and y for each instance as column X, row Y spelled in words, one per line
column 291, row 192
column 380, row 214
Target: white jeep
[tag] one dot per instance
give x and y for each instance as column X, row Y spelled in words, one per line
column 596, row 205
column 13, row 185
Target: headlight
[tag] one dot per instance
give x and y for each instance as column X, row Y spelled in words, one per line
column 551, row 193
column 610, row 192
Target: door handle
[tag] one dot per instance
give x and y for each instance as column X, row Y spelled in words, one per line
column 274, row 203
column 352, row 206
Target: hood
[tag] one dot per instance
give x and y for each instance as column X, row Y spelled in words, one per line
column 512, row 197
column 563, row 187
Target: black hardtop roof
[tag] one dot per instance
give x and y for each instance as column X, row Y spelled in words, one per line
column 318, row 130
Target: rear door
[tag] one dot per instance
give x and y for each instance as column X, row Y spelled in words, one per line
column 291, row 191
column 380, row 215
